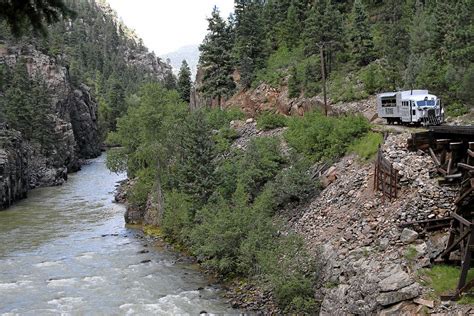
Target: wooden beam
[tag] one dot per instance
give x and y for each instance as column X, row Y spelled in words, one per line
column 454, row 244
column 450, row 163
column 470, row 153
column 463, row 196
column 453, row 176
column 461, row 219
column 465, row 166
column 433, row 156
column 466, row 263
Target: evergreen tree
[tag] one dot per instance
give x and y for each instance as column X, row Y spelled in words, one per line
column 294, row 84
column 360, row 35
column 249, row 45
column 27, row 107
column 323, row 30
column 395, row 44
column 17, row 103
column 170, row 81
column 36, row 13
column 291, row 28
column 216, row 59
column 323, row 27
column 184, row 82
column 195, row 170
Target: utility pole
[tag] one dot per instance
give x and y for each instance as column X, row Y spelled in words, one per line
column 323, row 75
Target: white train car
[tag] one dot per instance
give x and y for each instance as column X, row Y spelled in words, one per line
column 410, row 107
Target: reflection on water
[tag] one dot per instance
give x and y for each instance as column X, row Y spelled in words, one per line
column 66, row 250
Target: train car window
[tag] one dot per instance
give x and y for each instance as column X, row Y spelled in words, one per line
column 389, row 102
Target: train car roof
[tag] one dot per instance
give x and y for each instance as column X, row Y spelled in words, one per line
column 410, row 93
column 387, row 94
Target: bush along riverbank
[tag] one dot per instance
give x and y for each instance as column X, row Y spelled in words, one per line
column 221, row 202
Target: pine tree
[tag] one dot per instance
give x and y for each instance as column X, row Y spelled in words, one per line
column 195, row 170
column 170, row 82
column 216, row 59
column 249, row 48
column 184, row 82
column 323, row 27
column 37, row 13
column 294, row 84
column 395, row 44
column 360, row 35
column 18, row 101
column 291, row 28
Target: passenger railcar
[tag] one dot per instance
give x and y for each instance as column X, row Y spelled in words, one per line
column 410, row 107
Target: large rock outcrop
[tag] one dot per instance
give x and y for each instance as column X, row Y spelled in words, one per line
column 76, row 132
column 81, row 110
column 13, row 167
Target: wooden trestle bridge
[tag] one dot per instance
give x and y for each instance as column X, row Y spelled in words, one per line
column 452, row 150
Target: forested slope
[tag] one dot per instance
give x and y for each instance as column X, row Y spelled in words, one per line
column 367, row 46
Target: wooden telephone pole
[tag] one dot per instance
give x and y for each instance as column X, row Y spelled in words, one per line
column 323, row 75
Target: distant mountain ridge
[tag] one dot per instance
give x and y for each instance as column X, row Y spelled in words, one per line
column 190, row 53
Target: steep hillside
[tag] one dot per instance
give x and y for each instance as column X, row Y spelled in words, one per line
column 360, row 47
column 64, row 92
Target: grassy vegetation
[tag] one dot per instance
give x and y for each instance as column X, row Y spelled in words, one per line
column 367, row 146
column 443, row 279
column 324, row 138
column 270, row 120
column 456, row 109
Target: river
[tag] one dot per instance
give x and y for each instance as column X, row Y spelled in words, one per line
column 66, row 250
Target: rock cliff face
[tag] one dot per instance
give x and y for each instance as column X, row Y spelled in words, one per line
column 13, row 167
column 76, row 130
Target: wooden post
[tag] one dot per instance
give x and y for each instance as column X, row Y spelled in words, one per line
column 323, row 75
column 466, row 261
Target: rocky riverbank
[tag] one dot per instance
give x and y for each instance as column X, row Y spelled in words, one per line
column 240, row 294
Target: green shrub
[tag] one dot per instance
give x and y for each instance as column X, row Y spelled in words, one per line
column 177, row 217
column 292, row 272
column 295, row 294
column 319, row 137
column 269, row 120
column 294, row 183
column 138, row 194
column 456, row 109
column 224, row 138
column 222, row 226
column 218, row 118
column 367, row 146
column 261, row 162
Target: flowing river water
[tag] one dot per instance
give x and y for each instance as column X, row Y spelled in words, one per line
column 66, row 250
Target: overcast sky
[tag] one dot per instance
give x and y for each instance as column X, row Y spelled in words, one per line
column 166, row 25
